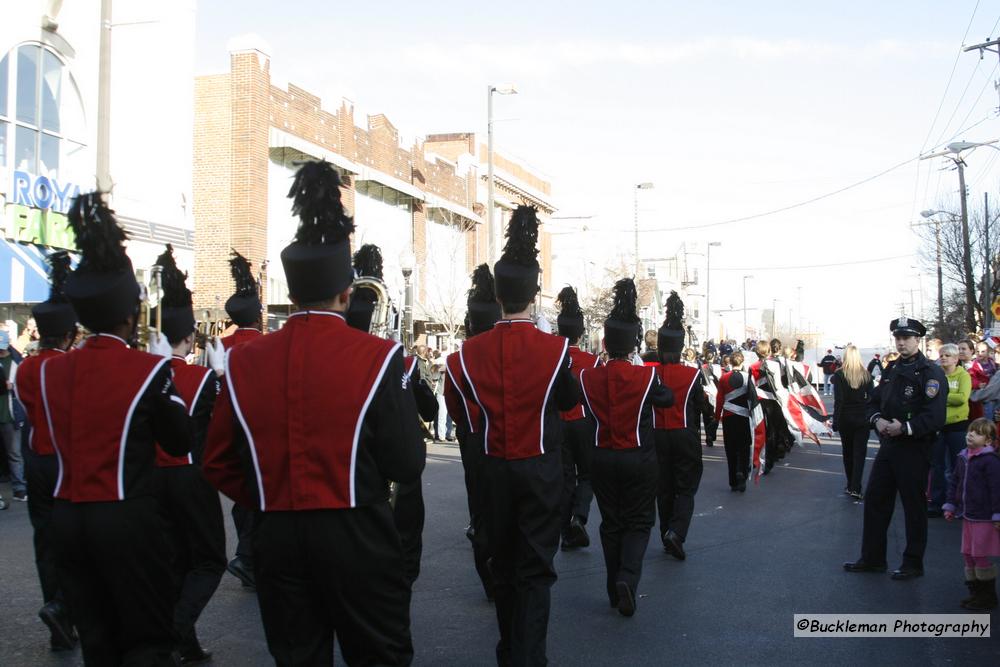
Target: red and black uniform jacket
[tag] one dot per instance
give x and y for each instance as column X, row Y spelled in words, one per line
column 240, row 336
column 581, row 360
column 464, row 411
column 621, row 398
column 28, row 389
column 107, row 406
column 315, row 416
column 520, row 378
column 198, row 387
column 689, row 397
column 732, row 394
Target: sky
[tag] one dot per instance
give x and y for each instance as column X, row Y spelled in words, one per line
column 730, row 109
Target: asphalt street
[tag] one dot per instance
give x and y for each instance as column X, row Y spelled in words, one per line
column 754, row 560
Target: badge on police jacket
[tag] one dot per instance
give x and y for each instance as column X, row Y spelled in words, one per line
column 932, row 388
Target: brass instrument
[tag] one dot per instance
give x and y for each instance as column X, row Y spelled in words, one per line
column 380, row 325
column 149, row 295
column 211, row 324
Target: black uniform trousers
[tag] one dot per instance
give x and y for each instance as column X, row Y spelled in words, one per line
column 525, row 497
column 193, row 514
column 41, row 473
column 625, row 485
column 901, row 467
column 678, row 453
column 326, row 574
column 245, row 520
column 578, row 444
column 112, row 559
column 473, row 457
column 738, row 441
column 408, row 515
column 854, row 450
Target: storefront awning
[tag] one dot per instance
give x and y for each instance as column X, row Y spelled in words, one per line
column 281, row 139
column 433, row 201
column 24, row 273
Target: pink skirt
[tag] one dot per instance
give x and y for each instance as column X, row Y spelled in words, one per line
column 980, row 539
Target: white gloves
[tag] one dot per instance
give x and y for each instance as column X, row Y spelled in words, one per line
column 159, row 345
column 215, row 355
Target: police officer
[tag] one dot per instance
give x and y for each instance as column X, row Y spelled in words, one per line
column 907, row 409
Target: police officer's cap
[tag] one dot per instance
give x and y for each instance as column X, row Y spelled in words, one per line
column 906, row 326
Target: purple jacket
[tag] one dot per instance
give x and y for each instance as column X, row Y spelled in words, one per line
column 974, row 490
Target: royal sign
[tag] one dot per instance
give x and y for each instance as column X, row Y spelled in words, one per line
column 42, row 192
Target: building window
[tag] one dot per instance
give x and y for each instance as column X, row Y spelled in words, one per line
column 41, row 113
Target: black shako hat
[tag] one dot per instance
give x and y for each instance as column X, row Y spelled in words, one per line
column 482, row 309
column 670, row 337
column 570, row 320
column 177, row 320
column 367, row 264
column 622, row 329
column 905, row 326
column 244, row 306
column 318, row 262
column 103, row 289
column 517, row 270
column 55, row 316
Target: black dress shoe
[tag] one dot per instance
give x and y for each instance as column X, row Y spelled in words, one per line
column 239, row 569
column 55, row 616
column 626, row 599
column 907, row 572
column 578, row 532
column 861, row 566
column 470, row 533
column 195, row 656
column 673, row 545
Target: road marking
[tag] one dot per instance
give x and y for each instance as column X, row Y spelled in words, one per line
column 783, row 466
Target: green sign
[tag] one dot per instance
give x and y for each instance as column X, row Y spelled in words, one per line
column 39, row 226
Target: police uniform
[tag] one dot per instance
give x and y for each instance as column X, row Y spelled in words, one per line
column 520, row 378
column 312, row 423
column 620, row 398
column 55, row 318
column 107, row 406
column 244, row 309
column 915, row 392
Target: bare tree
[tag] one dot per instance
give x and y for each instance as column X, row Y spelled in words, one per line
column 446, row 280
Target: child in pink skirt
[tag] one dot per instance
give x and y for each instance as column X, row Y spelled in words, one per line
column 974, row 495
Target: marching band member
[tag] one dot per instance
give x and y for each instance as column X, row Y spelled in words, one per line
column 244, row 309
column 578, row 431
column 56, row 322
column 189, row 504
column 482, row 313
column 733, row 411
column 106, row 407
column 678, row 450
column 520, row 378
column 620, row 397
column 312, row 422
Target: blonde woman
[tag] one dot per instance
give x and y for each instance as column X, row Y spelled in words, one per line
column 852, row 387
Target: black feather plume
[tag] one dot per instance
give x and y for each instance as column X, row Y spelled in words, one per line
column 569, row 302
column 175, row 291
column 675, row 312
column 60, row 263
column 522, row 237
column 246, row 285
column 483, row 288
column 625, row 297
column 315, row 195
column 368, row 261
column 97, row 235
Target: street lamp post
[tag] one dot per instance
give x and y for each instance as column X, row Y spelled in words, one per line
column 708, row 287
column 635, row 199
column 745, row 336
column 406, row 264
column 503, row 89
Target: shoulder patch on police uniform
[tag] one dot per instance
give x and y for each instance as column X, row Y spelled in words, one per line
column 932, row 388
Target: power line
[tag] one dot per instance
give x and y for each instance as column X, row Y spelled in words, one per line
column 961, row 98
column 811, row 266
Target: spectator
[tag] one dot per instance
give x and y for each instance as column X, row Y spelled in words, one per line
column 933, row 349
column 951, row 438
column 829, row 366
column 852, row 387
column 967, row 358
column 28, row 336
column 984, row 368
column 10, row 428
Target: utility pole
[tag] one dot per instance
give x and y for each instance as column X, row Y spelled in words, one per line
column 970, row 286
column 104, row 101
column 988, row 271
column 985, row 46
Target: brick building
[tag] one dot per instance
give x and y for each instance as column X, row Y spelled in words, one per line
column 425, row 199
